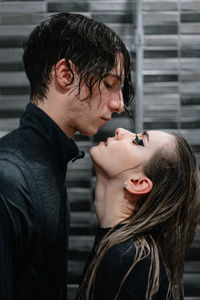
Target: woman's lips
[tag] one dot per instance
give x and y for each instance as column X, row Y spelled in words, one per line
column 102, row 143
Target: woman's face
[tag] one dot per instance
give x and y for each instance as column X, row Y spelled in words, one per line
column 122, row 152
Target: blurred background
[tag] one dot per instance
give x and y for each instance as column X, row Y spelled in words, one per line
column 163, row 38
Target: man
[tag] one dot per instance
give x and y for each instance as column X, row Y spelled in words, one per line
column 76, row 68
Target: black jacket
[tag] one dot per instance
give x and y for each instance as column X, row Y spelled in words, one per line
column 34, row 212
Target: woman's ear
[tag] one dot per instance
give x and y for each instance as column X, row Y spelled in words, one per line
column 139, row 185
column 63, row 75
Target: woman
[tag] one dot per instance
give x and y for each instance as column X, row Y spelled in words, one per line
column 148, row 206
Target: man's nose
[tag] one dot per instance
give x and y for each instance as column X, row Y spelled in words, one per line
column 116, row 103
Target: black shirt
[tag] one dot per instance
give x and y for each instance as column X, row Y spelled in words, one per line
column 114, row 266
column 34, row 211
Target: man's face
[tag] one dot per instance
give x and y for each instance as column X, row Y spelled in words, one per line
column 86, row 116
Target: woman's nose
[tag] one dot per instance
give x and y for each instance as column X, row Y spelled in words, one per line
column 121, row 132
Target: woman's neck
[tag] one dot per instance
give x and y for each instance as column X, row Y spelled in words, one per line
column 111, row 204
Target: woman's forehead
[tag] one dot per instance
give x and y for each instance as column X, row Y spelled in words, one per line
column 161, row 139
column 159, row 133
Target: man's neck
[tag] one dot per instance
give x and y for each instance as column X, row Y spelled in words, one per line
column 57, row 114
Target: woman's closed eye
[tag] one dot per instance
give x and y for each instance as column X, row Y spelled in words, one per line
column 138, row 141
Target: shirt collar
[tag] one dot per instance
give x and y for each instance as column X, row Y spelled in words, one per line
column 48, row 136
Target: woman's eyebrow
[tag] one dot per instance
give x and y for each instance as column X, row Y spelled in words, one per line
column 145, row 133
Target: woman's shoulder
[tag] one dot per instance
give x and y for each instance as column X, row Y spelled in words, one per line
column 121, row 258
column 116, row 263
column 122, row 255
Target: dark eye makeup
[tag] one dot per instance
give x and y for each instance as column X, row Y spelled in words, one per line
column 138, row 141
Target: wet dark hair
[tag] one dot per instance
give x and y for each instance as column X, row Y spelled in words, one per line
column 90, row 45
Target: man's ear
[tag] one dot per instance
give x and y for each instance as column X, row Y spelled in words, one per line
column 139, row 185
column 63, row 75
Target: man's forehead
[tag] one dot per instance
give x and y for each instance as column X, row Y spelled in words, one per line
column 117, row 74
column 118, row 71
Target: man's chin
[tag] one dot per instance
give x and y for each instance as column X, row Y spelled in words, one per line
column 89, row 133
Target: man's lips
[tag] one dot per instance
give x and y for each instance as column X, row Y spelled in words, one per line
column 106, row 119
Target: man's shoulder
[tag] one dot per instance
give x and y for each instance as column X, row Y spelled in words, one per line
column 11, row 175
column 13, row 169
column 10, row 142
column 16, row 148
column 11, row 155
column 14, row 189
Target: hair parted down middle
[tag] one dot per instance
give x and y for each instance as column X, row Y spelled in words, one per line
column 168, row 216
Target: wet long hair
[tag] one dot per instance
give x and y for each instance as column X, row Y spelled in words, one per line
column 92, row 47
column 168, row 216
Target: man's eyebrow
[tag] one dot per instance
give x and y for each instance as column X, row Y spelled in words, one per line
column 118, row 77
column 146, row 134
